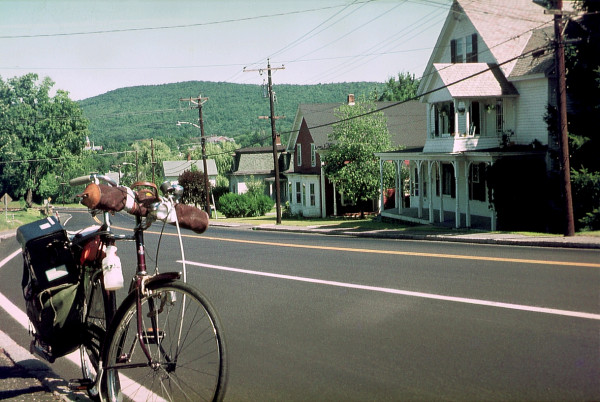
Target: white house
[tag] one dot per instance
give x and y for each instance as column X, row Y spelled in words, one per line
column 487, row 86
column 173, row 169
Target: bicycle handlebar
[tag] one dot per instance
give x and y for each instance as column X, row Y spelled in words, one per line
column 144, row 202
column 91, row 178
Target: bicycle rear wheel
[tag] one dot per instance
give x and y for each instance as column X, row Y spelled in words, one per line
column 182, row 336
column 99, row 308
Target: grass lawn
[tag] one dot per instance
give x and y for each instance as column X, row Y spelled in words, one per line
column 14, row 219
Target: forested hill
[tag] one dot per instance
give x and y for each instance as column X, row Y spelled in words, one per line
column 121, row 116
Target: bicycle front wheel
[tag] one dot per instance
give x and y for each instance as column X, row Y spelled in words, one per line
column 176, row 353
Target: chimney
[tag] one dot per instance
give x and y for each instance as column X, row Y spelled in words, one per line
column 350, row 99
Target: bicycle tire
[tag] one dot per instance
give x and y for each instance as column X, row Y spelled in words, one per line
column 95, row 328
column 183, row 336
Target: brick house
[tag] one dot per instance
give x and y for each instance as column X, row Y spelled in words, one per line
column 311, row 194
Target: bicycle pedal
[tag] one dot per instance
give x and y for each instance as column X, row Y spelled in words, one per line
column 150, row 338
column 80, row 384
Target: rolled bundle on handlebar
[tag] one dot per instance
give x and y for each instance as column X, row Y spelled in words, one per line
column 108, row 198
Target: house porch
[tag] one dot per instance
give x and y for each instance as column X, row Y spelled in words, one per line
column 412, row 215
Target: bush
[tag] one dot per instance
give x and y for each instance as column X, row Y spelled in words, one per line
column 243, row 205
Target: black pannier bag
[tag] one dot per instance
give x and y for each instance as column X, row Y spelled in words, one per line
column 50, row 287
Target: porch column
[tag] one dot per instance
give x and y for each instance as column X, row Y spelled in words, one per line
column 439, row 167
column 457, row 192
column 430, row 189
column 467, row 199
column 420, row 184
column 399, row 187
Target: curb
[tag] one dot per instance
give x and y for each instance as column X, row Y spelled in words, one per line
column 556, row 242
column 38, row 369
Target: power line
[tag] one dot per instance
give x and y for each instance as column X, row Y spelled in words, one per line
column 424, row 93
column 109, row 31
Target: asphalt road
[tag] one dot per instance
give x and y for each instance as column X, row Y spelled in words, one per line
column 311, row 317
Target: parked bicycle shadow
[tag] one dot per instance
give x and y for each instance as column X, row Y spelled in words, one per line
column 30, row 380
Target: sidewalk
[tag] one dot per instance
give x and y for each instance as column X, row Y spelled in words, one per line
column 24, row 378
column 589, row 242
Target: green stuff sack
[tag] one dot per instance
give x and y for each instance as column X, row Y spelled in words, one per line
column 56, row 316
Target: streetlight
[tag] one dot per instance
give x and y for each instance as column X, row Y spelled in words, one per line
column 120, row 165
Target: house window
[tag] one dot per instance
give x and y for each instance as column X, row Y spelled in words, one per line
column 471, row 48
column 464, row 49
column 299, row 154
column 499, row 116
column 444, row 118
column 437, row 181
column 448, row 184
column 415, row 183
column 303, row 194
column 298, row 192
column 313, row 155
column 313, row 200
column 456, row 51
column 477, row 182
column 475, row 115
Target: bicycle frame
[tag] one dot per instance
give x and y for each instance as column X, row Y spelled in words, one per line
column 151, row 343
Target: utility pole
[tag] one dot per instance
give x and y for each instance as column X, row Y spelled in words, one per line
column 562, row 115
column 273, row 135
column 199, row 101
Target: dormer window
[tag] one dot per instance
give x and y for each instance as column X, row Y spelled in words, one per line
column 464, row 49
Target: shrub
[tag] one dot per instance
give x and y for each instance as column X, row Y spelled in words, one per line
column 233, row 205
column 243, row 205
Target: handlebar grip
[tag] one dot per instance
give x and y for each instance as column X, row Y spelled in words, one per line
column 80, row 180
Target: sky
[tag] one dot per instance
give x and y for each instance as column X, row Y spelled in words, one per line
column 90, row 47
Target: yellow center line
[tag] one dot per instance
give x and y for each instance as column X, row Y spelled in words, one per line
column 390, row 252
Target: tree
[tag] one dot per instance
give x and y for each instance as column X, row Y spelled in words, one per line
column 40, row 137
column 403, row 89
column 350, row 160
column 192, row 182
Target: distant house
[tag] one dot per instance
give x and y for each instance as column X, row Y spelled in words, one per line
column 311, row 194
column 173, row 169
column 255, row 164
column 486, row 88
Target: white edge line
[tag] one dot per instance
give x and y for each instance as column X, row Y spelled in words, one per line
column 545, row 310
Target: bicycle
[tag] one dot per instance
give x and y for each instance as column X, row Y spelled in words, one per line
column 164, row 341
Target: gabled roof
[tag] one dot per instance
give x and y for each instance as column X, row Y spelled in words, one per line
column 505, row 25
column 507, row 29
column 406, row 122
column 256, row 160
column 176, row 168
column 538, row 62
column 488, row 82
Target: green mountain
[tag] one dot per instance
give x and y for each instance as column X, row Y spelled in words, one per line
column 122, row 116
